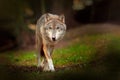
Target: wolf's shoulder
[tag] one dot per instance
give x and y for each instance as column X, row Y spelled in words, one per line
column 41, row 20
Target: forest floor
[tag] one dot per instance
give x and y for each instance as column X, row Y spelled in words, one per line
column 91, row 51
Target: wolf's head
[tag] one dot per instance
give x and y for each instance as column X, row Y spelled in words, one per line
column 54, row 27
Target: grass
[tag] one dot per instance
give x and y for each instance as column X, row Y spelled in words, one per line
column 87, row 49
column 73, row 54
column 20, row 58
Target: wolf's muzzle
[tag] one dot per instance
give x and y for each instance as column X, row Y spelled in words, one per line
column 53, row 38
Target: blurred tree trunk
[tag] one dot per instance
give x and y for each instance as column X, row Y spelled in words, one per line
column 105, row 10
column 12, row 24
column 43, row 9
column 114, row 11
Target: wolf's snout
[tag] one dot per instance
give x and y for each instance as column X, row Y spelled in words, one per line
column 53, row 38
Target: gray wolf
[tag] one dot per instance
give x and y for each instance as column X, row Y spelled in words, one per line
column 50, row 29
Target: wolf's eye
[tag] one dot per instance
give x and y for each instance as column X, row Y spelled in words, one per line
column 58, row 28
column 49, row 27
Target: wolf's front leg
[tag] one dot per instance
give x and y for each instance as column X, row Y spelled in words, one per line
column 48, row 58
column 44, row 65
column 50, row 64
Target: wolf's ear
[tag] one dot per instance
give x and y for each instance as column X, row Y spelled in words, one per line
column 47, row 17
column 62, row 18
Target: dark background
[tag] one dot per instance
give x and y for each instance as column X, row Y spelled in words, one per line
column 15, row 17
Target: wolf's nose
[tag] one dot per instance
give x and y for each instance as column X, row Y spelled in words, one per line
column 53, row 38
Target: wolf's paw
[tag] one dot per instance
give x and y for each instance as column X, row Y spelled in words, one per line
column 51, row 66
column 48, row 68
